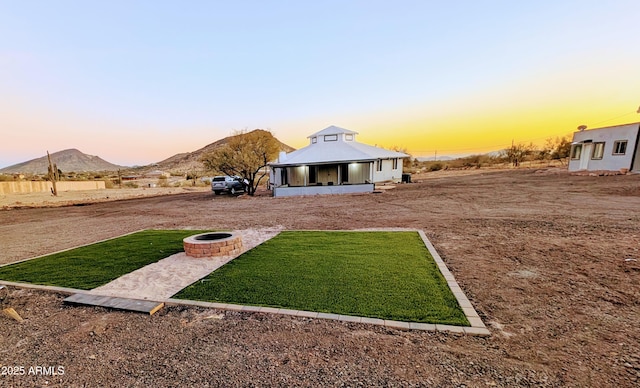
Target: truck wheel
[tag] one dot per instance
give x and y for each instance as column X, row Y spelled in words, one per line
column 233, row 191
column 217, row 192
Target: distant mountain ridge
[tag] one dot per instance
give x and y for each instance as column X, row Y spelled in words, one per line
column 434, row 158
column 73, row 160
column 66, row 160
column 191, row 161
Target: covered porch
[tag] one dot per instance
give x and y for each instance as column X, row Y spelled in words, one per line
column 330, row 178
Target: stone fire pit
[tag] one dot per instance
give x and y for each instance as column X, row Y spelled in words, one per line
column 213, row 244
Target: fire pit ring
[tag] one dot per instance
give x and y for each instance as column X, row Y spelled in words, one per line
column 211, row 236
column 212, row 244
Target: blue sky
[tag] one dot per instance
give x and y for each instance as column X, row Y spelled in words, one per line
column 137, row 82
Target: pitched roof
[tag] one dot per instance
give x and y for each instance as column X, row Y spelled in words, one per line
column 336, row 151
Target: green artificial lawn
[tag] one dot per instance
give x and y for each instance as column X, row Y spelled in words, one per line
column 387, row 275
column 97, row 264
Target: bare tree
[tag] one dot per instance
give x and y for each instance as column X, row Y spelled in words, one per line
column 246, row 155
column 556, row 149
column 562, row 149
column 517, row 153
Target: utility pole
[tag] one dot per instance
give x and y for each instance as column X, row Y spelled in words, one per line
column 435, row 156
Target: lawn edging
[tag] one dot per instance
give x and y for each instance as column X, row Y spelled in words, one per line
column 477, row 326
column 41, row 287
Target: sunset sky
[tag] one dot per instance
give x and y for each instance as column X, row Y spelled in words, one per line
column 136, row 82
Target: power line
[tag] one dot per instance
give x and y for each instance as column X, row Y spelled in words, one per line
column 618, row 117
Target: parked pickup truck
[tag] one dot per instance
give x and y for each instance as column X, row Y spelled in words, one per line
column 227, row 184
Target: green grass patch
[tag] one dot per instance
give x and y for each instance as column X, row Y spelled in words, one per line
column 388, row 275
column 97, row 264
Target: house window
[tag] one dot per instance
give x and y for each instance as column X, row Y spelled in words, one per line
column 598, row 151
column 576, row 151
column 348, row 137
column 379, row 165
column 620, row 147
column 330, row 137
column 314, row 140
column 395, row 163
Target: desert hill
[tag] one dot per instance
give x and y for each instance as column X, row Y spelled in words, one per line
column 190, row 161
column 66, row 160
column 76, row 161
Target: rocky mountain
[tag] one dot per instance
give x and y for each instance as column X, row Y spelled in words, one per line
column 76, row 161
column 66, row 160
column 190, row 161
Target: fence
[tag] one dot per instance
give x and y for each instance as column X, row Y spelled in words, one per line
column 41, row 186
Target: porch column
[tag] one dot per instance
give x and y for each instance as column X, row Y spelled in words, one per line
column 371, row 169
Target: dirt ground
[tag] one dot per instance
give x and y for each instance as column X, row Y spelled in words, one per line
column 550, row 261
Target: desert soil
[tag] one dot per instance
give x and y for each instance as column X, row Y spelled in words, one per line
column 549, row 260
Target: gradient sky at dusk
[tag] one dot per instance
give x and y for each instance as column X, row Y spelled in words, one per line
column 136, row 82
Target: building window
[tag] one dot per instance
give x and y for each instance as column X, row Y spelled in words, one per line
column 348, row 137
column 576, row 151
column 379, row 165
column 620, row 147
column 598, row 151
column 395, row 163
column 314, row 140
column 330, row 137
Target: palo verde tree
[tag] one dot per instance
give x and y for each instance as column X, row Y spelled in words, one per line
column 245, row 154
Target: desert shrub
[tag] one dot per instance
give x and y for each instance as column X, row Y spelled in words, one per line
column 108, row 184
column 435, row 167
column 163, row 182
column 131, row 185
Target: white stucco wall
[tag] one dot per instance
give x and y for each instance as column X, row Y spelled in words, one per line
column 609, row 136
column 388, row 173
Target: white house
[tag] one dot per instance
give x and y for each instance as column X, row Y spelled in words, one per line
column 610, row 149
column 334, row 163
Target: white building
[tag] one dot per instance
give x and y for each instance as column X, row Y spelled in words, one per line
column 609, row 149
column 334, row 163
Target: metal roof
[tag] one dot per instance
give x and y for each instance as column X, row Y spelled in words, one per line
column 340, row 151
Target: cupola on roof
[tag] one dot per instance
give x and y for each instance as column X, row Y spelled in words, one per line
column 335, row 145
